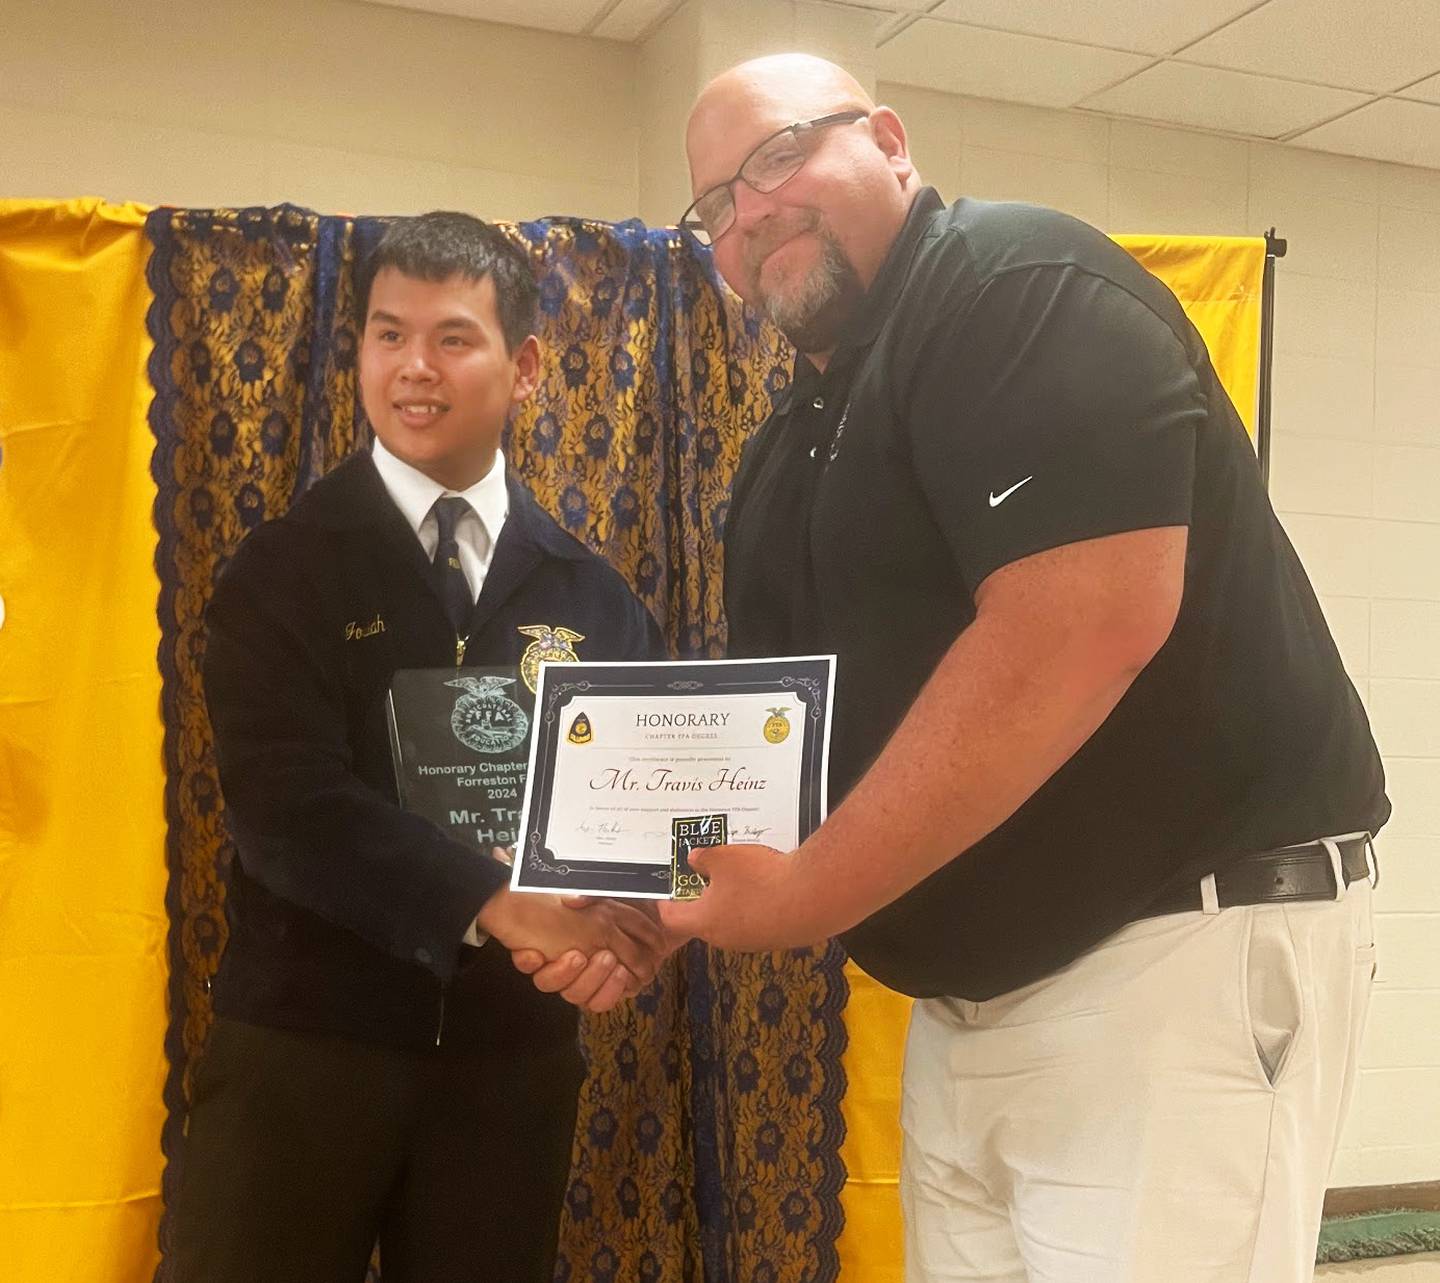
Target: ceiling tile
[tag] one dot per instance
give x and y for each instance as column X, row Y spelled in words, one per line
column 547, row 15
column 1425, row 91
column 1355, row 44
column 1149, row 26
column 1407, row 133
column 630, row 19
column 1232, row 101
column 997, row 64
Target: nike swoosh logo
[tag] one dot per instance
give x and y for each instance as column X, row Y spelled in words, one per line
column 997, row 499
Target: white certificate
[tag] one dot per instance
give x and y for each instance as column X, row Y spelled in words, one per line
column 629, row 762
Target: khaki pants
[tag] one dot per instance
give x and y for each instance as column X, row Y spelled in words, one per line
column 1164, row 1110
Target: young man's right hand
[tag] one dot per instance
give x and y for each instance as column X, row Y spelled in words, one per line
column 616, row 945
column 595, row 982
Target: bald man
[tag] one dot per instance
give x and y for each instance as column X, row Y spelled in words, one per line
column 1107, row 791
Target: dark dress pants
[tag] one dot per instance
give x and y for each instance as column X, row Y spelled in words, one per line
column 303, row 1150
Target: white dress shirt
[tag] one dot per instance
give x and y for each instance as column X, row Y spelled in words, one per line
column 476, row 532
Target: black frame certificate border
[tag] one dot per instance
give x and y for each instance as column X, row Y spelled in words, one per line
column 810, row 679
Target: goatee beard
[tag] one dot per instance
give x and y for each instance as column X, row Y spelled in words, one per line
column 813, row 314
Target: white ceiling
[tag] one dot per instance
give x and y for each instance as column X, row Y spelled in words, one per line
column 1360, row 77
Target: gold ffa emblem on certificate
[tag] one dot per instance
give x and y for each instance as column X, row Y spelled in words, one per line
column 580, row 731
column 554, row 644
column 777, row 726
column 686, row 833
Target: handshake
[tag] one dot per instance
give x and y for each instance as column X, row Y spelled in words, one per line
column 593, row 952
column 596, row 952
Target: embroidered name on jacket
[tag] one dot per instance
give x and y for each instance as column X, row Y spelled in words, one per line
column 355, row 630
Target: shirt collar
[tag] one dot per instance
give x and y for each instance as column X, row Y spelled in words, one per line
column 884, row 291
column 414, row 493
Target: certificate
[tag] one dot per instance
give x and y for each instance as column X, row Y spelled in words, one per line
column 632, row 765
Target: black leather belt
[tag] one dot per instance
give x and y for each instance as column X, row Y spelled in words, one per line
column 1303, row 872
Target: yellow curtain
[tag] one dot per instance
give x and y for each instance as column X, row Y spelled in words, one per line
column 1217, row 280
column 82, row 867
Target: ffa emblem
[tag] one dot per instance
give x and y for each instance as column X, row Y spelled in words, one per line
column 485, row 719
column 580, row 732
column 555, row 644
column 777, row 726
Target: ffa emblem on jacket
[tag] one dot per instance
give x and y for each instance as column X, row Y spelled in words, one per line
column 555, row 644
column 777, row 726
column 485, row 718
column 580, row 732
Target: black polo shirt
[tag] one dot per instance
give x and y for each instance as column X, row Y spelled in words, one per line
column 1016, row 382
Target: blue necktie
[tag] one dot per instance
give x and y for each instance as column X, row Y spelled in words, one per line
column 450, row 578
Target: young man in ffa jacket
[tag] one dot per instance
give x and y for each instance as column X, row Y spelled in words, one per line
column 372, row 1074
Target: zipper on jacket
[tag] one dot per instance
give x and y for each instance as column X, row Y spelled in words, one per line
column 440, row 1025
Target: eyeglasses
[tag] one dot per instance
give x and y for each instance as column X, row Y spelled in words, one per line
column 771, row 165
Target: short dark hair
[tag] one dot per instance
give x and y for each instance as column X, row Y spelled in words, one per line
column 442, row 244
